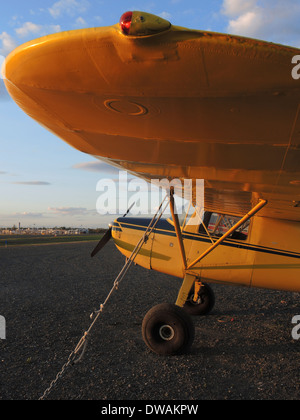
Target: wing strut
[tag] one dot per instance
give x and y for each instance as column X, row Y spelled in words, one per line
column 248, row 216
column 191, row 278
column 177, row 227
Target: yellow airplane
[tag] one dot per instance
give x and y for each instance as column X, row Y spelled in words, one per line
column 165, row 102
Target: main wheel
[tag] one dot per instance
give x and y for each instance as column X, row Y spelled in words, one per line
column 204, row 304
column 168, row 330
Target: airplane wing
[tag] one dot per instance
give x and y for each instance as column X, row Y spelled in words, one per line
column 166, row 102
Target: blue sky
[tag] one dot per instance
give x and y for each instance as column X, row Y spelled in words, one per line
column 43, row 181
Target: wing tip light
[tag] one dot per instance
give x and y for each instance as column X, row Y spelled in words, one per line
column 142, row 24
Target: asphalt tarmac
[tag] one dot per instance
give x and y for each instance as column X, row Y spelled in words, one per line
column 244, row 350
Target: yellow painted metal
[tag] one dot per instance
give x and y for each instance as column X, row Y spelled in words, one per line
column 144, row 24
column 138, row 103
column 198, row 285
column 187, row 284
column 248, row 216
column 274, row 271
column 127, row 240
column 269, row 258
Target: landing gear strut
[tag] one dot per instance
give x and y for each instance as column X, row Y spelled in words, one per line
column 200, row 303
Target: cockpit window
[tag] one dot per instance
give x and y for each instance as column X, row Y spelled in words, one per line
column 219, row 224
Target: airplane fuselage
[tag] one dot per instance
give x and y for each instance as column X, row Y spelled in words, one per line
column 267, row 258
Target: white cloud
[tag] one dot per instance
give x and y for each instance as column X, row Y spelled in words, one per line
column 81, row 22
column 28, row 28
column 272, row 20
column 248, row 23
column 238, row 7
column 68, row 7
column 166, row 15
column 52, row 28
column 2, row 63
column 7, row 43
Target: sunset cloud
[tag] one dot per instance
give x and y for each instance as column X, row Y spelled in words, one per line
column 28, row 215
column 34, row 183
column 96, row 166
column 69, row 211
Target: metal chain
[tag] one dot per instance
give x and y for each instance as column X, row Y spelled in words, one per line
column 58, row 376
column 82, row 344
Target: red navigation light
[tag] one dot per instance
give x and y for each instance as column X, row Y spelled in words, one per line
column 125, row 22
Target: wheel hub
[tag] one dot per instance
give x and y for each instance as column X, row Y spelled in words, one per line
column 166, row 332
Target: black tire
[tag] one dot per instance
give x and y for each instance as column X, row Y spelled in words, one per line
column 168, row 330
column 205, row 304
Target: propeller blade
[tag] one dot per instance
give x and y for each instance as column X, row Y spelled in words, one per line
column 129, row 209
column 106, row 238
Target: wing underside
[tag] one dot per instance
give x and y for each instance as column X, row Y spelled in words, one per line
column 180, row 104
